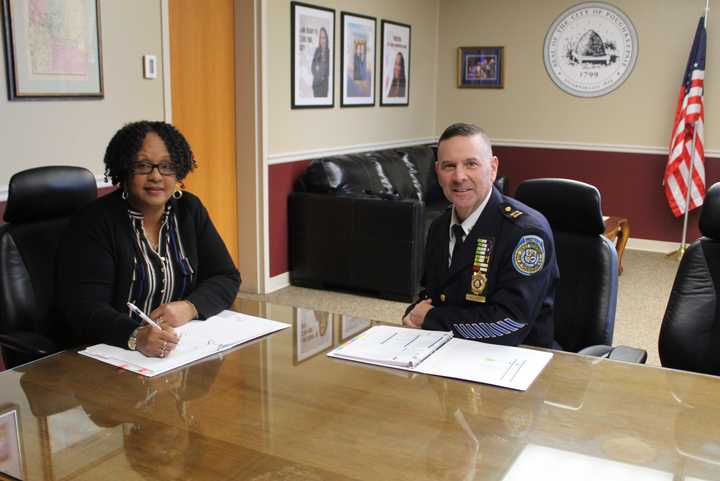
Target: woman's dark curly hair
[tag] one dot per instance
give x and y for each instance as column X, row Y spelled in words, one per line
column 123, row 149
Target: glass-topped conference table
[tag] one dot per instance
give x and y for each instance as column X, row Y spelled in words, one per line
column 279, row 409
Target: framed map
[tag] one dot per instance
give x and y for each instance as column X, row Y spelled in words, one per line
column 52, row 48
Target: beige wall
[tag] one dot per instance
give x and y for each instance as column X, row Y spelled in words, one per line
column 308, row 129
column 531, row 107
column 75, row 132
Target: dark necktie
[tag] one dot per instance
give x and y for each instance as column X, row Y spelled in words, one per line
column 458, row 232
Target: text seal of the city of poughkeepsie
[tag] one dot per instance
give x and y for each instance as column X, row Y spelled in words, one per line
column 590, row 49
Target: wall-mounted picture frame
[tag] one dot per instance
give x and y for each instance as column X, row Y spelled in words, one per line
column 312, row 68
column 395, row 76
column 313, row 332
column 12, row 460
column 481, row 67
column 358, row 33
column 53, row 49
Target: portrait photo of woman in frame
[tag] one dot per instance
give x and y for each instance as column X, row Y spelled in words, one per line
column 312, row 56
column 395, row 64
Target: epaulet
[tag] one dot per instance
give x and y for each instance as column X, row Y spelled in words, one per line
column 510, row 212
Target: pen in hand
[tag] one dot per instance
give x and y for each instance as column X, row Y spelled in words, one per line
column 143, row 316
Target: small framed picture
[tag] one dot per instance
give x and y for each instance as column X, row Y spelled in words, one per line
column 351, row 326
column 480, row 67
column 358, row 60
column 53, row 49
column 313, row 331
column 395, row 64
column 312, row 68
column 12, row 461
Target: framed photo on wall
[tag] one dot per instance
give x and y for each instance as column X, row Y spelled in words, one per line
column 395, row 88
column 12, row 461
column 312, row 68
column 358, row 60
column 52, row 49
column 480, row 67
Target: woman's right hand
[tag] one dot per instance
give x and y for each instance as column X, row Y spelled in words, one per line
column 154, row 342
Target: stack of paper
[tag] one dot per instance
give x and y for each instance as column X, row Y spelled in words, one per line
column 198, row 339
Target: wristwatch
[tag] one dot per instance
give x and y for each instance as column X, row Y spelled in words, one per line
column 132, row 342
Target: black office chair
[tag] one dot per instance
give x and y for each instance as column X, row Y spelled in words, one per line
column 690, row 331
column 40, row 202
column 586, row 294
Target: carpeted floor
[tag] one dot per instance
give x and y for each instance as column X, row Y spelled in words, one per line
column 643, row 292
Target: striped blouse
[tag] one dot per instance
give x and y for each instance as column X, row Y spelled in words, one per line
column 159, row 276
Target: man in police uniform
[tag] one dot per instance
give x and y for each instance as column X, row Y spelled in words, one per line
column 490, row 267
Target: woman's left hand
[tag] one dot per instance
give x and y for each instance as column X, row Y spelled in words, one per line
column 174, row 313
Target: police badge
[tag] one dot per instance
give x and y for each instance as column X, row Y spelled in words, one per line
column 478, row 281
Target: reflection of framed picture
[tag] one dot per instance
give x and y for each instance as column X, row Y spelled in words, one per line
column 351, row 325
column 53, row 49
column 358, row 60
column 313, row 56
column 395, row 64
column 313, row 332
column 12, row 461
column 480, row 67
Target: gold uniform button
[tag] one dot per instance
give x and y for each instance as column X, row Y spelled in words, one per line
column 508, row 209
column 442, row 297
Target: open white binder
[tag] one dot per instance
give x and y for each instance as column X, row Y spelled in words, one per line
column 505, row 366
column 198, row 339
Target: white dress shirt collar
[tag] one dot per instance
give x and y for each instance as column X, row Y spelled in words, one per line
column 470, row 221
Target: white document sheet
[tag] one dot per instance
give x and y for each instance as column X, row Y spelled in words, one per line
column 198, row 339
column 505, row 366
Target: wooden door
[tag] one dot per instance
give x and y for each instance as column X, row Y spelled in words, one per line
column 202, row 53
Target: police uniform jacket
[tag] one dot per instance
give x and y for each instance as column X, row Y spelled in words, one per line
column 501, row 288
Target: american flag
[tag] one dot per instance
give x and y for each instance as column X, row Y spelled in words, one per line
column 689, row 120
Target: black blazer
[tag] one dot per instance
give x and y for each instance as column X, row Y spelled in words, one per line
column 95, row 269
column 516, row 304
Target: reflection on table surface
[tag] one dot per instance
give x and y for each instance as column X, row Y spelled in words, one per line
column 260, row 412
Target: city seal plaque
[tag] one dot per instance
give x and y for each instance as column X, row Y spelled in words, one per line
column 590, row 49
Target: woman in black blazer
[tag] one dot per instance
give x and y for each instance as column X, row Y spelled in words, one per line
column 148, row 243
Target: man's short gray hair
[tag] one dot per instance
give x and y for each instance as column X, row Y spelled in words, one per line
column 462, row 129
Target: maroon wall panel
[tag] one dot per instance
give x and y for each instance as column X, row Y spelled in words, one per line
column 281, row 178
column 630, row 184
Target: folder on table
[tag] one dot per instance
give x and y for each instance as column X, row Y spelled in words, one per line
column 393, row 346
column 199, row 339
column 438, row 353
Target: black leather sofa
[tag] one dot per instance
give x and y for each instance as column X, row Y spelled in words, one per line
column 358, row 222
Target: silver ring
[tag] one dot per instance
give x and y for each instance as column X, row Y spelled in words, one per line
column 162, row 352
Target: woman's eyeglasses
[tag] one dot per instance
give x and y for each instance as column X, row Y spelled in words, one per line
column 145, row 168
